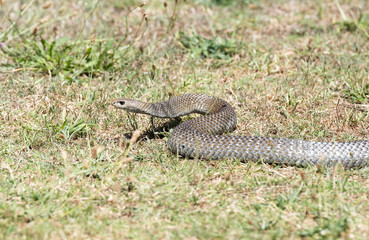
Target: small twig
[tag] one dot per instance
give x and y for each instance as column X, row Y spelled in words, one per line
column 124, row 159
column 341, row 11
column 173, row 17
column 17, row 70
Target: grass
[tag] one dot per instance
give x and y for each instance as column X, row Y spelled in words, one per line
column 208, row 48
column 69, row 171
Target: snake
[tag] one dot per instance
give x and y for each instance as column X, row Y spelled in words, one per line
column 206, row 136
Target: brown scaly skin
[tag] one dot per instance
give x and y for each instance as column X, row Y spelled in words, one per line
column 201, row 137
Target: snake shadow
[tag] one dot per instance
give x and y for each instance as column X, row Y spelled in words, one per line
column 156, row 132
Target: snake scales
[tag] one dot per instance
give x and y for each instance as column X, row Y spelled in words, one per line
column 201, row 137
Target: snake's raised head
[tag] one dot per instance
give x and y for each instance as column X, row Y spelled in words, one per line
column 129, row 105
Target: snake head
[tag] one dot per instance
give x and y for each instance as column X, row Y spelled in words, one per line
column 129, row 105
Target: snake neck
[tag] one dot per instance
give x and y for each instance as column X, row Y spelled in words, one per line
column 184, row 105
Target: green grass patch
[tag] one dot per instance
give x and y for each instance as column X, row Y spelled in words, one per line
column 358, row 93
column 67, row 57
column 218, row 48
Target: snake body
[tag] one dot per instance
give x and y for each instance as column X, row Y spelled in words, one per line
column 201, row 137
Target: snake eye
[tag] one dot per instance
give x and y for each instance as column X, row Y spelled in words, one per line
column 121, row 102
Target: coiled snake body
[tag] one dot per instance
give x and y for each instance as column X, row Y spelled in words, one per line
column 201, row 137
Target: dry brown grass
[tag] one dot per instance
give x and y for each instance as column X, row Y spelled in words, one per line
column 64, row 170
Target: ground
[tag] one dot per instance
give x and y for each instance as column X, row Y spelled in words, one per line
column 68, row 169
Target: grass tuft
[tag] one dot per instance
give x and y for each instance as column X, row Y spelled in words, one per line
column 66, row 57
column 217, row 47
